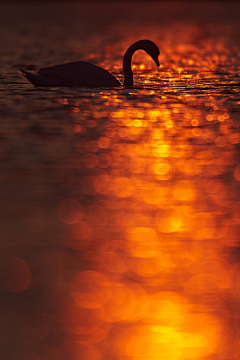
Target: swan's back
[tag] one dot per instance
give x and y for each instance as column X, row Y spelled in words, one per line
column 80, row 73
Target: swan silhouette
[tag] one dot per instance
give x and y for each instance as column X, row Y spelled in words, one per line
column 85, row 74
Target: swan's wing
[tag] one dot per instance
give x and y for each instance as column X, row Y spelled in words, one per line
column 79, row 67
column 80, row 73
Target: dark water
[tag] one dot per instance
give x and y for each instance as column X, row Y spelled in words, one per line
column 120, row 209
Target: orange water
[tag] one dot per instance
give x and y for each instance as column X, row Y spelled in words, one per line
column 121, row 207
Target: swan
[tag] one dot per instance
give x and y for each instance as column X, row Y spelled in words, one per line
column 85, row 74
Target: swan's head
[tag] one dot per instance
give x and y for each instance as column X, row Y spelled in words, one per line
column 147, row 45
column 151, row 48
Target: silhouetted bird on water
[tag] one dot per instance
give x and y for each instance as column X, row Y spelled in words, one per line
column 85, row 74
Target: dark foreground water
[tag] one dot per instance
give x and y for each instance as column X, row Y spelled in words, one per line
column 120, row 208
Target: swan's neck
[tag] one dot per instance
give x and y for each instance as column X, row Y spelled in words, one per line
column 127, row 70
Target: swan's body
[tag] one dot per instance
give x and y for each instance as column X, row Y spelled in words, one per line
column 85, row 74
column 77, row 73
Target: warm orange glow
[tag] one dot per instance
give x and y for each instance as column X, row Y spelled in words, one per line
column 143, row 242
column 199, row 339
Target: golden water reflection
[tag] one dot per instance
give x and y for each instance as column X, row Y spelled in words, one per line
column 153, row 212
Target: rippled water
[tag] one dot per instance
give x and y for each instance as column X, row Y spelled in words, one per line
column 120, row 207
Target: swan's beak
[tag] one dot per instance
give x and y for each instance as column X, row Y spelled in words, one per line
column 157, row 62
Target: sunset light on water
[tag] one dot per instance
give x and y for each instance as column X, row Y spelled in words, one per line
column 156, row 280
column 121, row 211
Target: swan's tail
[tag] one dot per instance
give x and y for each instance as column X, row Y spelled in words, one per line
column 34, row 79
column 22, row 70
column 42, row 80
